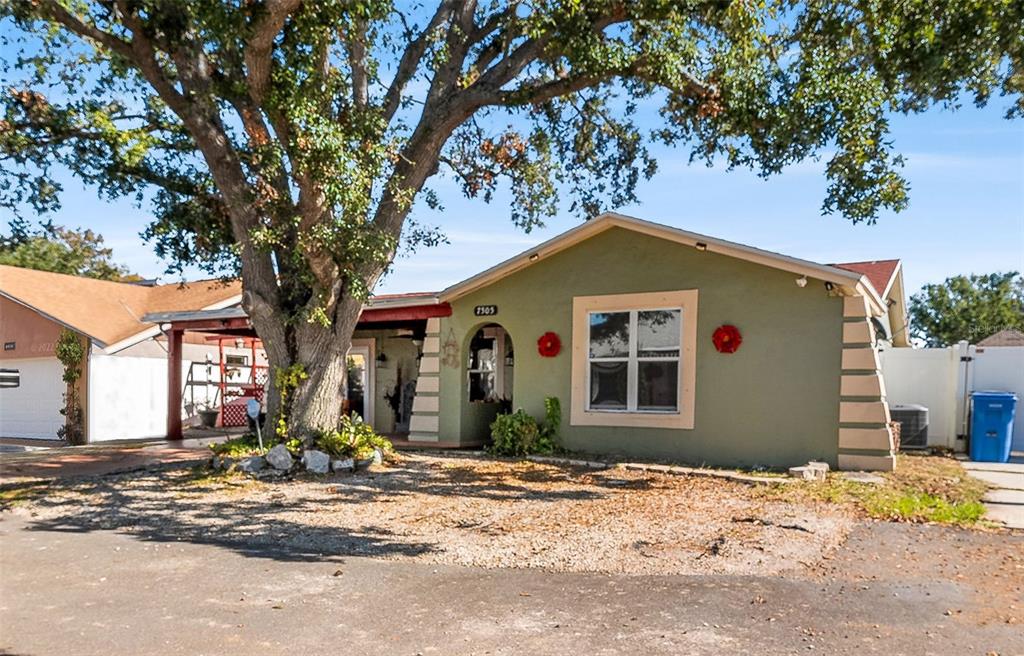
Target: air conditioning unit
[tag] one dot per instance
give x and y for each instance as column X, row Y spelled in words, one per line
column 913, row 421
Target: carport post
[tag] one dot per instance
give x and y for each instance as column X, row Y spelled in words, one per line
column 174, row 383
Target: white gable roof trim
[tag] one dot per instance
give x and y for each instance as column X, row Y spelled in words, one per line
column 849, row 281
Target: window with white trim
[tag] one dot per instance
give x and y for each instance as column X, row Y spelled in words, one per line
column 633, row 360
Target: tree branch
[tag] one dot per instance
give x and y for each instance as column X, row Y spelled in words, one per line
column 259, row 48
column 410, row 60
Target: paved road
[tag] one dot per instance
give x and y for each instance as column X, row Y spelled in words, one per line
column 893, row 589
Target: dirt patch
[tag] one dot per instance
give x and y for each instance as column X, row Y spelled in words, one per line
column 475, row 512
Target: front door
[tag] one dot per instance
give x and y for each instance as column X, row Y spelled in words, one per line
column 360, row 379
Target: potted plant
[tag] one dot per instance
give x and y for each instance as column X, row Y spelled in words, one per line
column 207, row 414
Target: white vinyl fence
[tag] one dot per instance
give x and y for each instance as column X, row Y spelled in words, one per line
column 942, row 379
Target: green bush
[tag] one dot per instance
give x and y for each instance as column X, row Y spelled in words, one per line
column 237, row 447
column 519, row 434
column 354, row 439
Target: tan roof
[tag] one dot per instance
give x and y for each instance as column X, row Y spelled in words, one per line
column 1007, row 337
column 107, row 312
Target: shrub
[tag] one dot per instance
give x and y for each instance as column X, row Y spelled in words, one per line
column 237, row 447
column 519, row 434
column 354, row 439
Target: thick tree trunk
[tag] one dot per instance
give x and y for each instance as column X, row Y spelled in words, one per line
column 316, row 404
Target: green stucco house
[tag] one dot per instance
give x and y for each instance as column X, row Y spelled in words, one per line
column 659, row 343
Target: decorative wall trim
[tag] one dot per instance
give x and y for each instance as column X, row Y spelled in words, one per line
column 424, row 425
column 422, row 403
column 863, row 385
column 428, row 383
column 870, row 439
column 849, row 461
column 864, row 437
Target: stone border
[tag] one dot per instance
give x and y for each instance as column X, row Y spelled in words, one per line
column 671, row 470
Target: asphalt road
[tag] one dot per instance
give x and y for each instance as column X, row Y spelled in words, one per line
column 893, row 589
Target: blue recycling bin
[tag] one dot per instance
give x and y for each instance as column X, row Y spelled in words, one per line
column 992, row 425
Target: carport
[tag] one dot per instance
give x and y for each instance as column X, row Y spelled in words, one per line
column 405, row 312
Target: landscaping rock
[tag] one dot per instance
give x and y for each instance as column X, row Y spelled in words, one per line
column 807, row 473
column 252, row 464
column 378, row 456
column 280, row 458
column 346, row 465
column 315, row 461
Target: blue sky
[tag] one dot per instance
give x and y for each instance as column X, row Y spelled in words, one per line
column 966, row 214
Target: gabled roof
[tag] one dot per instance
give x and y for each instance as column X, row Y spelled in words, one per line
column 108, row 312
column 881, row 273
column 851, row 281
column 1006, row 337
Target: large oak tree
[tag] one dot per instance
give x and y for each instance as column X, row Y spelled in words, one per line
column 289, row 140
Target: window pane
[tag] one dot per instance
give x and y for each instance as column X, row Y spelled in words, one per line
column 481, row 387
column 609, row 334
column 608, row 382
column 658, row 333
column 658, row 386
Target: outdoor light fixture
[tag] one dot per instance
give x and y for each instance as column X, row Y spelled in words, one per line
column 534, row 257
column 240, row 343
column 701, row 246
column 829, row 286
column 801, row 282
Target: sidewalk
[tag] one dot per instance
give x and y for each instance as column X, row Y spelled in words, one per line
column 1005, row 501
column 97, row 460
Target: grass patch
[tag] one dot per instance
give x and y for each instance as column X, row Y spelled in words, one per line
column 922, row 489
column 238, row 447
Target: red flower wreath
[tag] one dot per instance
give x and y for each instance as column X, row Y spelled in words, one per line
column 727, row 338
column 549, row 345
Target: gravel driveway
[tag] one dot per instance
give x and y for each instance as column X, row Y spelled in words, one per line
column 465, row 511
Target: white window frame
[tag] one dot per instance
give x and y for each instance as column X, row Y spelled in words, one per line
column 633, row 360
column 583, row 306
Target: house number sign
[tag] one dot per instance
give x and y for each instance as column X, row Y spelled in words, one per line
column 485, row 310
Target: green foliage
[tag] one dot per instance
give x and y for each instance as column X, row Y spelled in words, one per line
column 71, row 353
column 519, row 434
column 237, row 447
column 291, row 141
column 287, row 380
column 354, row 439
column 61, row 250
column 967, row 308
column 922, row 489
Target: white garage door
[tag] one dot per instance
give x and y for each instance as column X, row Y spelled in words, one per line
column 33, row 408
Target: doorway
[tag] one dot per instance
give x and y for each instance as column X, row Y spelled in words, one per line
column 361, row 377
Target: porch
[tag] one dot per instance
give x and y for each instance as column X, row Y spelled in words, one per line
column 383, row 363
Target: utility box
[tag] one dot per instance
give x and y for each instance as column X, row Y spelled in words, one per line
column 913, row 420
column 992, row 425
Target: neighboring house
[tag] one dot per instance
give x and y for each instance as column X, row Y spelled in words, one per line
column 645, row 315
column 1007, row 337
column 124, row 373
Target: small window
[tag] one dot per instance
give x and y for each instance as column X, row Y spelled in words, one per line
column 633, row 360
column 237, row 360
column 10, row 378
column 483, row 368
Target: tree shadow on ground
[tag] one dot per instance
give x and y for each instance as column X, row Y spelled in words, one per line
column 157, row 510
column 168, row 505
